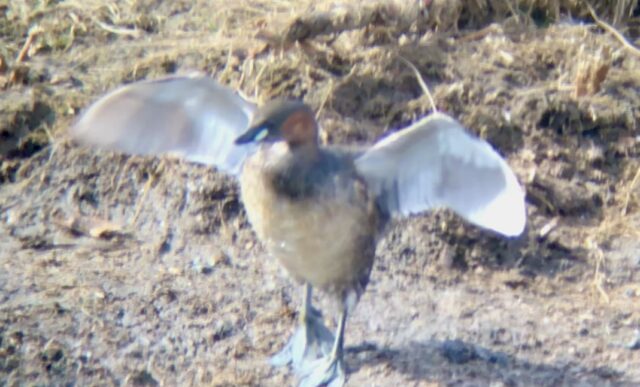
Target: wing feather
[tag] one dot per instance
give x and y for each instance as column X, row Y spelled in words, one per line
column 192, row 117
column 437, row 163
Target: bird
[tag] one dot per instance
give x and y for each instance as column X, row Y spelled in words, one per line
column 319, row 210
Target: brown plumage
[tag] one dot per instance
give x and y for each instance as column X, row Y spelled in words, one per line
column 293, row 190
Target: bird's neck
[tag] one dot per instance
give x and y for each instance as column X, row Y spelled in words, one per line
column 301, row 172
column 305, row 154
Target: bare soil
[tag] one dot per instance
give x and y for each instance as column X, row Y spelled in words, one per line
column 118, row 270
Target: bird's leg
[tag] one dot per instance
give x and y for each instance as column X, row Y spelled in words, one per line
column 311, row 341
column 329, row 370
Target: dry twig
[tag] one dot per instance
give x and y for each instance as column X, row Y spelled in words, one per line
column 423, row 85
column 609, row 28
column 33, row 32
column 630, row 190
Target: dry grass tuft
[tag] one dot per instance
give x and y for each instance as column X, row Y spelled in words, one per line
column 445, row 15
column 592, row 72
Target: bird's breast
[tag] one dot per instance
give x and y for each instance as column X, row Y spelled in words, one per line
column 325, row 237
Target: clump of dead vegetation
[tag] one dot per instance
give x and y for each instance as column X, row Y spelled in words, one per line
column 466, row 14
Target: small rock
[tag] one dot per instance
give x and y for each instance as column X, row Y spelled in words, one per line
column 206, row 265
column 634, row 345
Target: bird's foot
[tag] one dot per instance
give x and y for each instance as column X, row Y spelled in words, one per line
column 326, row 371
column 311, row 341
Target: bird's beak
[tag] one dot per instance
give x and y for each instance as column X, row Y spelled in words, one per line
column 253, row 134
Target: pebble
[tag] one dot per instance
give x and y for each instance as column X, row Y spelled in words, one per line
column 634, row 345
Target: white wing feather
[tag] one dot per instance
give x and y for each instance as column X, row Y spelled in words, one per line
column 437, row 163
column 192, row 117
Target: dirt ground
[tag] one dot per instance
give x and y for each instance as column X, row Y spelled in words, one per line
column 118, row 270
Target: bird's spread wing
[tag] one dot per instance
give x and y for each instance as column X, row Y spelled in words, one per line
column 437, row 163
column 192, row 117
